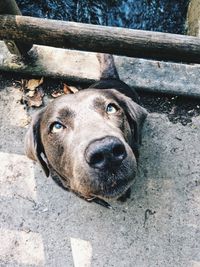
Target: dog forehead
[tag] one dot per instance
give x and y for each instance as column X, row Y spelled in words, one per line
column 81, row 100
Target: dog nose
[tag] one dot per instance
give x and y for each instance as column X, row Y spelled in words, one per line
column 106, row 153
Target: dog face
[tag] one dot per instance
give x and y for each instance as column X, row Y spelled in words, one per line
column 90, row 139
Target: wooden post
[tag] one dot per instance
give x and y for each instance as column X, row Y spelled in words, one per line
column 19, row 48
column 103, row 39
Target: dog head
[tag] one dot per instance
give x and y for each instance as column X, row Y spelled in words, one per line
column 90, row 139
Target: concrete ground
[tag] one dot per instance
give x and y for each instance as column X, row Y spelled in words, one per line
column 42, row 225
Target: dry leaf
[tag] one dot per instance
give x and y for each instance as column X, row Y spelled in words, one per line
column 34, row 101
column 33, row 84
column 56, row 94
column 74, row 89
column 69, row 89
column 37, row 99
column 30, row 93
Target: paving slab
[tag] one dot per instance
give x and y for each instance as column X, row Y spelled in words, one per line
column 42, row 225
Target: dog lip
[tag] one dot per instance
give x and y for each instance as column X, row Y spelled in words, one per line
column 115, row 191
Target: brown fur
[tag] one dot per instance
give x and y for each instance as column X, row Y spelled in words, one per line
column 85, row 121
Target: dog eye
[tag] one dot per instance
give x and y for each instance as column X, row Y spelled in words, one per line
column 111, row 109
column 56, row 127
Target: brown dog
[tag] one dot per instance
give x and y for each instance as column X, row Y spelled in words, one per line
column 89, row 140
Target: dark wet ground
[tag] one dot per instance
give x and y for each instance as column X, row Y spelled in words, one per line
column 154, row 15
column 178, row 108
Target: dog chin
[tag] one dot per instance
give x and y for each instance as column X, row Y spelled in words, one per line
column 116, row 192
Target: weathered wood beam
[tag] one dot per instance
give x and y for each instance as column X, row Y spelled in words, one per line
column 19, row 48
column 83, row 67
column 95, row 38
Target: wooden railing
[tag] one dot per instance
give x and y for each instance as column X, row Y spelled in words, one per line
column 19, row 48
column 20, row 33
column 95, row 38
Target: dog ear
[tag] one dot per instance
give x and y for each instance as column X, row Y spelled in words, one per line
column 33, row 145
column 136, row 116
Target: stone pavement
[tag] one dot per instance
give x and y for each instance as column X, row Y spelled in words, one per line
column 42, row 225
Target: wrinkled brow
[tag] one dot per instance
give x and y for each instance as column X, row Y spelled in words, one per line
column 66, row 113
column 99, row 103
column 110, row 94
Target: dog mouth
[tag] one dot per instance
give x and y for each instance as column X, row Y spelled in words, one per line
column 104, row 190
column 111, row 186
column 114, row 191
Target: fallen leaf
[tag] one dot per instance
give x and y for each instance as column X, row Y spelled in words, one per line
column 69, row 89
column 56, row 94
column 33, row 83
column 37, row 99
column 34, row 101
column 74, row 89
column 30, row 93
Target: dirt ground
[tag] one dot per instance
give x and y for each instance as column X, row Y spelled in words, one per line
column 43, row 225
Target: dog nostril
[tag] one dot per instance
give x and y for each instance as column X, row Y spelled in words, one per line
column 106, row 153
column 97, row 158
column 118, row 151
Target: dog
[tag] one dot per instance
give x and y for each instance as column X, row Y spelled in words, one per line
column 88, row 141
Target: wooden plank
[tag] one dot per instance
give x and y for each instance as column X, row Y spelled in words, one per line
column 159, row 76
column 18, row 48
column 83, row 67
column 53, row 62
column 95, row 38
